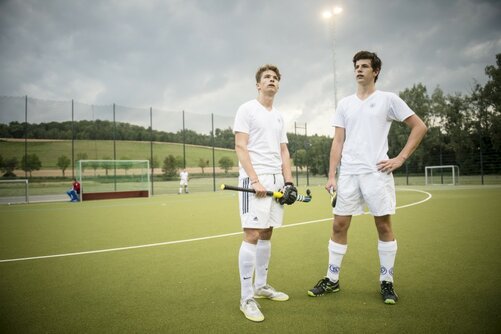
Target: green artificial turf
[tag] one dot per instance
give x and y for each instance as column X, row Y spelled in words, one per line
column 448, row 268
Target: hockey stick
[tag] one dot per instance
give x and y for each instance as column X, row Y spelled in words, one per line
column 333, row 194
column 275, row 194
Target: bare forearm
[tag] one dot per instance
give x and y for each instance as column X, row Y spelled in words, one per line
column 245, row 162
column 286, row 164
column 417, row 134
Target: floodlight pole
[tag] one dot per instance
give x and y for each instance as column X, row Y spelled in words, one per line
column 331, row 16
column 333, row 24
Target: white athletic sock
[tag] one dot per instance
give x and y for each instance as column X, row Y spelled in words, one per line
column 387, row 253
column 263, row 254
column 246, row 263
column 336, row 253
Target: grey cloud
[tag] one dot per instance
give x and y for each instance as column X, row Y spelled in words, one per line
column 201, row 56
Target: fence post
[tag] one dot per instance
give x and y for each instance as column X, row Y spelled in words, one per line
column 213, row 155
column 151, row 153
column 26, row 134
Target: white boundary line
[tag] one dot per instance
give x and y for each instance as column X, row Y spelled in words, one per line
column 429, row 196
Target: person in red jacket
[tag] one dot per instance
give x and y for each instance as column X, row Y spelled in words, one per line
column 74, row 192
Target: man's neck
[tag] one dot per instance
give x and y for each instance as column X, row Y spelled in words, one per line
column 266, row 101
column 364, row 91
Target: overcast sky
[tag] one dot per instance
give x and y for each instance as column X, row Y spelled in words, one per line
column 201, row 55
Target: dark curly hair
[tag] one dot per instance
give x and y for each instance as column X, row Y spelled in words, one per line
column 376, row 63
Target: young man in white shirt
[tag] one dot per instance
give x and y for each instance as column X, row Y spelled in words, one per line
column 183, row 184
column 264, row 164
column 362, row 122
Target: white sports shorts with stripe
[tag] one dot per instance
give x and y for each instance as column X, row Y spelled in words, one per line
column 376, row 189
column 264, row 212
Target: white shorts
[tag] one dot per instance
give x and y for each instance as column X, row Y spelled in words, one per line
column 376, row 189
column 261, row 213
column 183, row 183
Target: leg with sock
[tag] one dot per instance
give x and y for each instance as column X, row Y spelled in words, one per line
column 262, row 288
column 330, row 283
column 387, row 254
column 263, row 254
column 246, row 263
column 336, row 254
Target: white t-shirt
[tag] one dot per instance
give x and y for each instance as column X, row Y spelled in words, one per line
column 367, row 124
column 184, row 176
column 266, row 130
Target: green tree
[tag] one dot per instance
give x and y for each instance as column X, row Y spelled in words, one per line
column 491, row 94
column 63, row 162
column 299, row 158
column 202, row 163
column 319, row 154
column 226, row 163
column 8, row 166
column 106, row 166
column 170, row 166
column 224, row 138
column 125, row 164
column 30, row 162
column 95, row 165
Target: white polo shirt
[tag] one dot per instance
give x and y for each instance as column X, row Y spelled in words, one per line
column 367, row 124
column 266, row 130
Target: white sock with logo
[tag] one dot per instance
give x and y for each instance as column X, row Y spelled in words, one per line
column 246, row 263
column 263, row 254
column 336, row 253
column 387, row 253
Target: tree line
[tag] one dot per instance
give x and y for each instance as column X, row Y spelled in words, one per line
column 464, row 130
column 109, row 130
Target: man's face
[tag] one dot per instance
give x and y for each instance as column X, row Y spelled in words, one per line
column 269, row 82
column 364, row 74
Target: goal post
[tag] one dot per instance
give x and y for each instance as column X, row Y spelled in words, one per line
column 14, row 191
column 446, row 174
column 106, row 179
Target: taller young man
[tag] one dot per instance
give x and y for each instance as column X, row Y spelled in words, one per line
column 264, row 164
column 362, row 122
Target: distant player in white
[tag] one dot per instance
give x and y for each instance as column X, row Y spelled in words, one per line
column 183, row 184
column 264, row 161
column 362, row 122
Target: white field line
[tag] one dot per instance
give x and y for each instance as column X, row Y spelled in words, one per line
column 194, row 239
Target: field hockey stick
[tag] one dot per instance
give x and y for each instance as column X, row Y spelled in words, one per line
column 333, row 194
column 275, row 194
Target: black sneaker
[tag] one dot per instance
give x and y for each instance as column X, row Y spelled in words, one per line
column 389, row 295
column 325, row 285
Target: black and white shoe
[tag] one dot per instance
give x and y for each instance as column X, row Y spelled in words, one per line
column 325, row 285
column 389, row 295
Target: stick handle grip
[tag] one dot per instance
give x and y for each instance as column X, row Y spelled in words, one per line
column 274, row 194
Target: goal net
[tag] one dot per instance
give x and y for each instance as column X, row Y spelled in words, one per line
column 448, row 174
column 14, row 191
column 103, row 179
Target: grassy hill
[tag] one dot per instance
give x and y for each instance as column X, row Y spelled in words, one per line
column 50, row 150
